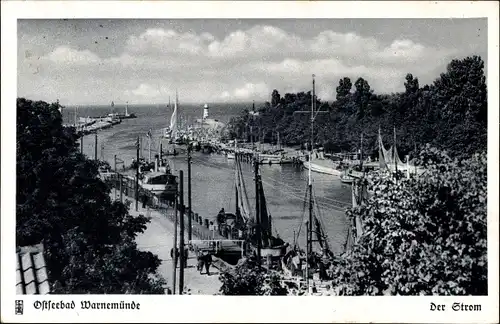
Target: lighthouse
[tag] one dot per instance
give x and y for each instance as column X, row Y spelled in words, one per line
column 205, row 111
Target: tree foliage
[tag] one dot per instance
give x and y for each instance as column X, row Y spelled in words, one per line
column 450, row 114
column 88, row 238
column 422, row 236
column 248, row 278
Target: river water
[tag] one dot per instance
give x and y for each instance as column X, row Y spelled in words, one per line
column 213, row 175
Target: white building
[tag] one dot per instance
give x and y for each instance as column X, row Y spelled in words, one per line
column 205, row 111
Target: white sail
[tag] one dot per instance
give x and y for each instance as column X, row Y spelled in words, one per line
column 173, row 119
column 244, row 203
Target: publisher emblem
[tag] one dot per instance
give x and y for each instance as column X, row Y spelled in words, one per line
column 19, row 307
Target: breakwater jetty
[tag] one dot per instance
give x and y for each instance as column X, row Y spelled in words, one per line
column 91, row 125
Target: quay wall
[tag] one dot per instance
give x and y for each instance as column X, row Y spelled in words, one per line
column 202, row 227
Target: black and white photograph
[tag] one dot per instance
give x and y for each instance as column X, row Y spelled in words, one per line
column 251, row 156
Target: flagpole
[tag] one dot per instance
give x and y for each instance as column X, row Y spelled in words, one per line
column 395, row 152
column 137, row 178
column 150, row 138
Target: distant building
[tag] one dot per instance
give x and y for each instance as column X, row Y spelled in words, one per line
column 208, row 123
column 205, row 111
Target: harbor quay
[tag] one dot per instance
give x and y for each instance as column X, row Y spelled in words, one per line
column 158, row 239
column 202, row 228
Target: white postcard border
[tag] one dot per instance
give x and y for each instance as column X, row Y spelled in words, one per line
column 242, row 309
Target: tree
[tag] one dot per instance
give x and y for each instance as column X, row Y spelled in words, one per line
column 450, row 114
column 411, row 84
column 343, row 89
column 89, row 240
column 248, row 278
column 275, row 98
column 461, row 97
column 422, row 236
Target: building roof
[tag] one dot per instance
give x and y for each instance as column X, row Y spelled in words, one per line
column 31, row 272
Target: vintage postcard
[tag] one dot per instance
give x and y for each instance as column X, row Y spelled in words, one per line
column 169, row 161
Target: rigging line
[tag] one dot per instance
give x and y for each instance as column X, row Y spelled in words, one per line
column 296, row 190
column 303, row 213
column 321, row 222
column 278, row 182
column 295, row 195
column 322, row 204
column 329, row 202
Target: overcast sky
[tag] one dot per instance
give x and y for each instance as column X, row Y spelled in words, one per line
column 144, row 61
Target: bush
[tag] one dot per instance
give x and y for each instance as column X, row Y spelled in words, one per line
column 422, row 236
column 89, row 239
column 248, row 278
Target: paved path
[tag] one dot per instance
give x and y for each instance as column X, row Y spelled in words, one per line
column 158, row 238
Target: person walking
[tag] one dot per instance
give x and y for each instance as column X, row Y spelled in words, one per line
column 186, row 256
column 201, row 261
column 177, row 254
column 208, row 262
column 145, row 199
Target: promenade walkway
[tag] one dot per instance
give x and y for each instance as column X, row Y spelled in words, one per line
column 158, row 238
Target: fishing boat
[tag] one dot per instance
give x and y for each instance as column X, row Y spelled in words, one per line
column 158, row 179
column 278, row 156
column 303, row 265
column 255, row 227
column 318, row 163
column 159, row 183
column 389, row 159
column 346, row 177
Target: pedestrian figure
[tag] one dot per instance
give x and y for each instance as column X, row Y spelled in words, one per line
column 144, row 199
column 186, row 255
column 177, row 254
column 208, row 262
column 200, row 259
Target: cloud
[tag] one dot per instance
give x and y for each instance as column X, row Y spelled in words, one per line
column 67, row 55
column 248, row 91
column 242, row 65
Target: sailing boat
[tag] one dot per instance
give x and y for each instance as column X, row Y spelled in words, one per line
column 298, row 262
column 254, row 227
column 389, row 159
column 277, row 157
column 172, row 130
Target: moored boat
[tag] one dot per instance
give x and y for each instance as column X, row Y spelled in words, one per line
column 322, row 166
column 159, row 183
column 253, row 226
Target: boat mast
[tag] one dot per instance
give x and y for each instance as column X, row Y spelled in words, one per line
column 237, row 210
column 176, row 115
column 309, row 245
column 361, row 154
column 257, row 211
column 395, row 152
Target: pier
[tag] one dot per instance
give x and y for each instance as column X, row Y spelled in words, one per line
column 91, row 125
